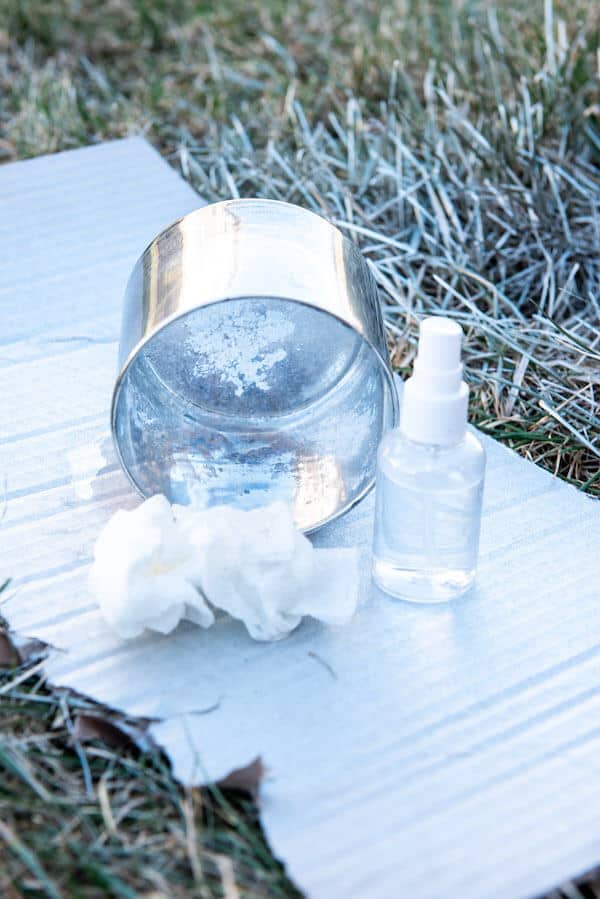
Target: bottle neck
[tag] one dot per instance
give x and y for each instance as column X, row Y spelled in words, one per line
column 431, row 418
column 432, row 447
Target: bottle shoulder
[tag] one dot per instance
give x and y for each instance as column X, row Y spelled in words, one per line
column 402, row 458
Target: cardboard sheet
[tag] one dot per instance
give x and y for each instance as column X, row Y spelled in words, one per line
column 422, row 752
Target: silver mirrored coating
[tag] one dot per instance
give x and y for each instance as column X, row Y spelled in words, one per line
column 254, row 364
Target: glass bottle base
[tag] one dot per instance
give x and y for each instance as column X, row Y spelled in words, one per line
column 421, row 586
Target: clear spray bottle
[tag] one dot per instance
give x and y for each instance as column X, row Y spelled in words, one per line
column 430, row 473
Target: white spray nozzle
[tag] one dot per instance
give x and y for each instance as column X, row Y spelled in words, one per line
column 435, row 398
column 439, row 343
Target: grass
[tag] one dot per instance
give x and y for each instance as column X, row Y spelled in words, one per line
column 89, row 807
column 94, row 819
column 458, row 143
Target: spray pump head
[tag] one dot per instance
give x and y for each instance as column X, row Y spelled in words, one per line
column 435, row 398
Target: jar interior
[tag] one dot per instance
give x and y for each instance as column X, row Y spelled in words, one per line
column 252, row 400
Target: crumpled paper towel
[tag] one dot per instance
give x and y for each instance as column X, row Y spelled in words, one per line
column 158, row 564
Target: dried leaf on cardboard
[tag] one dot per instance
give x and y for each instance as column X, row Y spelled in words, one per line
column 94, row 727
column 247, row 779
column 9, row 654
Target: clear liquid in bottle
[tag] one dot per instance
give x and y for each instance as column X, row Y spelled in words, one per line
column 427, row 515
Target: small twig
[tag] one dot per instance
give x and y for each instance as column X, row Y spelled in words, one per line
column 323, row 663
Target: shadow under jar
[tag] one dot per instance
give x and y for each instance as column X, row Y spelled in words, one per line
column 253, row 364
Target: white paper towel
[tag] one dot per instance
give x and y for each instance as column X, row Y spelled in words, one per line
column 448, row 751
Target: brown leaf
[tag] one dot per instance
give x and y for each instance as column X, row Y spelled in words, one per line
column 247, row 779
column 9, row 654
column 32, row 650
column 93, row 727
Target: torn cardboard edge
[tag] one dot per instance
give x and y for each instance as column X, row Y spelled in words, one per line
column 113, row 727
